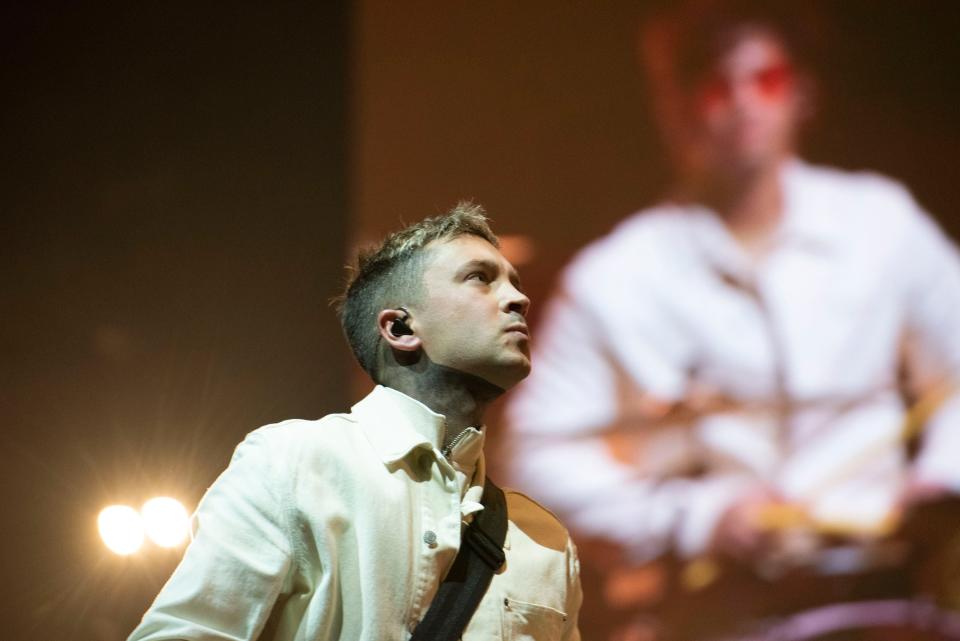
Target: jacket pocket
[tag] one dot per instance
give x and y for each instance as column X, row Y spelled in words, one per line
column 522, row 621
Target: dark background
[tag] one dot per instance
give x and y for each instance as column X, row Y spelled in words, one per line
column 181, row 185
column 175, row 215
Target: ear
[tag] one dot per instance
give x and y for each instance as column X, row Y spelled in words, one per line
column 405, row 342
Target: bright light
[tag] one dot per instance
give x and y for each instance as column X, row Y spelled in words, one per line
column 121, row 529
column 166, row 521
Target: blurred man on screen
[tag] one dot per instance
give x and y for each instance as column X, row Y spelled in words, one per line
column 736, row 372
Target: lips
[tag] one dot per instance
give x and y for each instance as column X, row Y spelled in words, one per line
column 518, row 327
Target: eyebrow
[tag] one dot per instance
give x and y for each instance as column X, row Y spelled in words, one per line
column 489, row 265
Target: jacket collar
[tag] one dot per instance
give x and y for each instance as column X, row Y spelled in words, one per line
column 396, row 423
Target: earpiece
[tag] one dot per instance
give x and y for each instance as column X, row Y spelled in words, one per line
column 399, row 327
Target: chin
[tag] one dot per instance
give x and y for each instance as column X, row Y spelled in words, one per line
column 518, row 373
column 746, row 162
column 507, row 376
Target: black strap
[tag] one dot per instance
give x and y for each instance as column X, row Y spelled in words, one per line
column 481, row 554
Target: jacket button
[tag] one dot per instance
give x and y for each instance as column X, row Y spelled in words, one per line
column 430, row 538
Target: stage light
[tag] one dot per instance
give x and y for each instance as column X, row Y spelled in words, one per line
column 121, row 529
column 166, row 521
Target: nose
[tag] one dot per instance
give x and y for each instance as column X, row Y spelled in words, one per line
column 514, row 300
column 743, row 94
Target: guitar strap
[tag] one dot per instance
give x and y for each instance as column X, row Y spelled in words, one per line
column 480, row 555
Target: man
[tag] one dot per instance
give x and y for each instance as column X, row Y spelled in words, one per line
column 343, row 528
column 721, row 374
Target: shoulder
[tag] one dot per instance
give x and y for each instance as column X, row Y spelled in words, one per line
column 866, row 193
column 646, row 229
column 299, row 430
column 640, row 244
column 537, row 522
column 836, row 178
column 291, row 438
column 839, row 206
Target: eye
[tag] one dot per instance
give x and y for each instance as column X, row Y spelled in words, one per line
column 774, row 81
column 480, row 276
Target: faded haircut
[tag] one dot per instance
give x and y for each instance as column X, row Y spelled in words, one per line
column 390, row 274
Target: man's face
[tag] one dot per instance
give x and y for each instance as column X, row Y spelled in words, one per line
column 471, row 314
column 746, row 110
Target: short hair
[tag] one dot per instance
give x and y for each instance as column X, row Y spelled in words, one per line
column 390, row 274
column 691, row 37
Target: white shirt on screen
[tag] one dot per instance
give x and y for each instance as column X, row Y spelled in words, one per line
column 343, row 528
column 857, row 280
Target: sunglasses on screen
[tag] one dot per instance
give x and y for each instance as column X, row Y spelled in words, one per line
column 771, row 83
